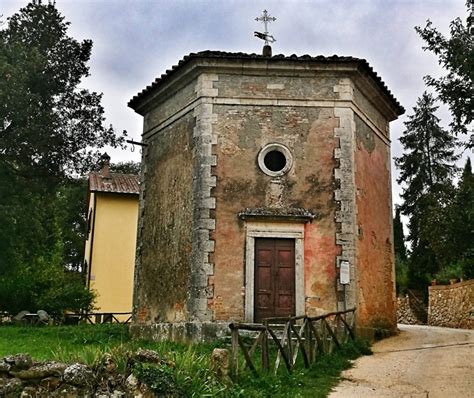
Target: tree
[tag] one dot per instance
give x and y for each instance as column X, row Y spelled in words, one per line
column 456, row 55
column 50, row 130
column 399, row 236
column 401, row 265
column 461, row 243
column 426, row 171
column 125, row 167
column 49, row 126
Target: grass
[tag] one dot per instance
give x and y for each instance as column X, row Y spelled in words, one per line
column 65, row 343
column 191, row 372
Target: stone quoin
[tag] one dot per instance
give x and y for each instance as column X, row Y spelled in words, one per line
column 263, row 177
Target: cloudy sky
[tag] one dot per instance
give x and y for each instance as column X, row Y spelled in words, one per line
column 136, row 41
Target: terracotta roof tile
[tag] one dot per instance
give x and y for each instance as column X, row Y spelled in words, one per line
column 363, row 66
column 117, row 183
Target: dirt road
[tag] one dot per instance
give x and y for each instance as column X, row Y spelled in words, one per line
column 422, row 361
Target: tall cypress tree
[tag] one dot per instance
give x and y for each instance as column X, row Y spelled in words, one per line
column 462, row 223
column 426, row 171
column 399, row 236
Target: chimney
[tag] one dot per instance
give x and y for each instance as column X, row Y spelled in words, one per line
column 267, row 51
column 105, row 170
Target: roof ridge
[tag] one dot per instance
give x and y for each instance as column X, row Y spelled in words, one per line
column 293, row 57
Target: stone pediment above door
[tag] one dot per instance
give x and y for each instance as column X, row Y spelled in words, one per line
column 293, row 214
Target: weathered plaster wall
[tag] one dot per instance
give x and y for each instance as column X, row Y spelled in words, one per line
column 375, row 263
column 201, row 170
column 278, row 87
column 163, row 269
column 452, row 305
column 370, row 112
column 243, row 129
column 178, row 99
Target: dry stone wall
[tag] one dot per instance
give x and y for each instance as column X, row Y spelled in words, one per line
column 21, row 376
column 452, row 305
column 405, row 313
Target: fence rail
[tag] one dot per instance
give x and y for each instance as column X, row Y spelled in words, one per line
column 292, row 337
column 100, row 317
column 69, row 318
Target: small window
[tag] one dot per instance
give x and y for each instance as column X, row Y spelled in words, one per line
column 275, row 160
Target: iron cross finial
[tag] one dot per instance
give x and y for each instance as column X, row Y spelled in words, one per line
column 265, row 18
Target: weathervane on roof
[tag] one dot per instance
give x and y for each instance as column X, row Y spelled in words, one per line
column 265, row 18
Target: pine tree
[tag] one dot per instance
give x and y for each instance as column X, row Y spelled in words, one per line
column 426, row 171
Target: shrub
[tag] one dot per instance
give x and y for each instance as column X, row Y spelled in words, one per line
column 159, row 378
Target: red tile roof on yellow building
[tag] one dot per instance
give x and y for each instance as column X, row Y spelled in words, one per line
column 114, row 183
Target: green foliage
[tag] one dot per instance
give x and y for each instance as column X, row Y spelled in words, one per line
column 159, row 378
column 456, row 55
column 125, row 167
column 399, row 236
column 71, row 210
column 461, row 228
column 80, row 343
column 316, row 381
column 427, row 168
column 448, row 272
column 402, row 275
column 49, row 124
column 44, row 285
column 186, row 372
column 50, row 129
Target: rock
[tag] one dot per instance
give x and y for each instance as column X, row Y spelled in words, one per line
column 132, row 382
column 50, row 383
column 20, row 316
column 42, row 370
column 19, row 361
column 28, row 392
column 220, row 362
column 147, row 356
column 137, row 389
column 114, row 394
column 43, row 316
column 118, row 394
column 66, row 390
column 108, row 364
column 78, row 375
column 4, row 367
column 10, row 387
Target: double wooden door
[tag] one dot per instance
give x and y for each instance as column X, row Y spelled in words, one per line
column 274, row 278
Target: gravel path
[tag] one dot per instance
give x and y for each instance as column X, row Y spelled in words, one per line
column 422, row 361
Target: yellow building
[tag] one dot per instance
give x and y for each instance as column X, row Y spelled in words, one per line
column 111, row 235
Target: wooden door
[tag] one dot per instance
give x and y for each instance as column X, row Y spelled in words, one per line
column 274, row 278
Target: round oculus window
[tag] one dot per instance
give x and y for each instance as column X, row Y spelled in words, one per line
column 275, row 159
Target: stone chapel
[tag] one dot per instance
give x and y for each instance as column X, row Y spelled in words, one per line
column 265, row 180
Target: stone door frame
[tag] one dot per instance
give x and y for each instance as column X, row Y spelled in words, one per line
column 273, row 230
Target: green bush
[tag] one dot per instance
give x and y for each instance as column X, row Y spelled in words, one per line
column 451, row 271
column 159, row 378
column 44, row 285
column 402, row 275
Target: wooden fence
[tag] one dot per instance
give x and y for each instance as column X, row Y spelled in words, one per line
column 291, row 336
column 71, row 318
column 99, row 317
